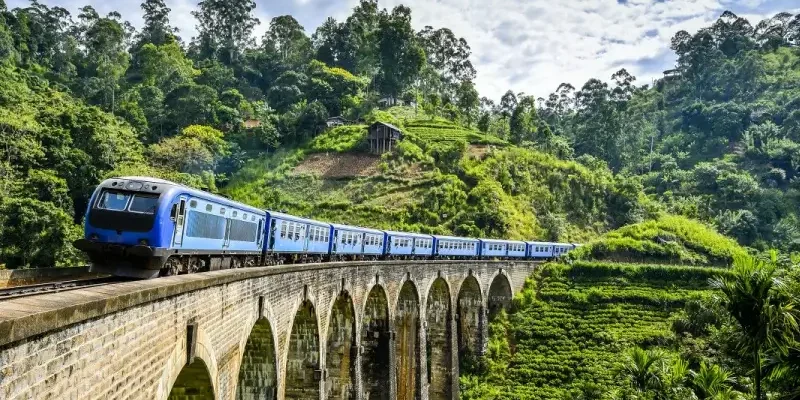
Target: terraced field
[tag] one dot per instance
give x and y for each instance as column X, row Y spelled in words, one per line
column 572, row 323
column 440, row 131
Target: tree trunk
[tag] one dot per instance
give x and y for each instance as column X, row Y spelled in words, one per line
column 757, row 363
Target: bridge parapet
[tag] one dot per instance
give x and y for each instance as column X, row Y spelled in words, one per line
column 170, row 337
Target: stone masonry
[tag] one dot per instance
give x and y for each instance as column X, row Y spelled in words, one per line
column 357, row 330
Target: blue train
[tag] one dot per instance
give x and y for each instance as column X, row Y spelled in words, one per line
column 146, row 227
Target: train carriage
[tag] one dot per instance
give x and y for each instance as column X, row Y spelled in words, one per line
column 405, row 244
column 455, row 247
column 353, row 242
column 292, row 238
column 516, row 249
column 540, row 250
column 144, row 227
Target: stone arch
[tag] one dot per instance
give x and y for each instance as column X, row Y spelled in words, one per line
column 500, row 295
column 469, row 323
column 193, row 383
column 438, row 316
column 302, row 360
column 375, row 342
column 177, row 361
column 407, row 344
column 258, row 378
column 341, row 357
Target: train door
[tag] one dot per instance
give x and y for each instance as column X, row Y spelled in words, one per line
column 306, row 234
column 179, row 216
column 227, row 242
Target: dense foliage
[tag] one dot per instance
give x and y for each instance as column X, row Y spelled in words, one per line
column 625, row 332
column 668, row 239
column 444, row 179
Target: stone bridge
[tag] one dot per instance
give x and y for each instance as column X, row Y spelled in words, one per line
column 359, row 330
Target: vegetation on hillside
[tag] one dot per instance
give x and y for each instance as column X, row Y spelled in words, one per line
column 669, row 239
column 87, row 97
column 621, row 331
column 436, row 185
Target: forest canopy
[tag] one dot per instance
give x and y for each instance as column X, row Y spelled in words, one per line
column 87, row 96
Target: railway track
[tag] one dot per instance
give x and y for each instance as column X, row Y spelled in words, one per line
column 55, row 287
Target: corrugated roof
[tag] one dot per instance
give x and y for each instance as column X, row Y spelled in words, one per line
column 386, row 124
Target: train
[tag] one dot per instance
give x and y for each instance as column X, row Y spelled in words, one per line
column 145, row 227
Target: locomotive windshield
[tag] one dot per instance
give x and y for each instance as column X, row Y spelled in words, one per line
column 116, row 201
column 122, row 201
column 143, row 203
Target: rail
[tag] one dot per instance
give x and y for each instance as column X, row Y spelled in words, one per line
column 54, row 287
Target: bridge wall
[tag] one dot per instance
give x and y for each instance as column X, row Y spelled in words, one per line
column 129, row 340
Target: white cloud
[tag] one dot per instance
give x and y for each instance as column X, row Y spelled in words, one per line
column 528, row 46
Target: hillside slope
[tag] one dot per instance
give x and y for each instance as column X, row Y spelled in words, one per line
column 441, row 178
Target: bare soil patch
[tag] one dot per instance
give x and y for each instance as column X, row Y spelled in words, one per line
column 336, row 165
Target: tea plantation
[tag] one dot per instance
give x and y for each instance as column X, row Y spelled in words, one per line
column 571, row 324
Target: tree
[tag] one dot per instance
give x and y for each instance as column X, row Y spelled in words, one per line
column 195, row 150
column 156, row 29
column 401, row 57
column 448, row 55
column 524, row 122
column 191, row 104
column 711, row 382
column 468, row 101
column 36, row 234
column 764, row 315
column 104, row 59
column 287, row 39
column 641, row 369
column 225, row 28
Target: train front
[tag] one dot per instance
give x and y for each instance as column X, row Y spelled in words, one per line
column 124, row 233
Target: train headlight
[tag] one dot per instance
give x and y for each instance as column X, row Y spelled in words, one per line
column 134, row 185
column 144, row 242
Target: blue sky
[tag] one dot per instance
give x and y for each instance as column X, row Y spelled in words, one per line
column 525, row 45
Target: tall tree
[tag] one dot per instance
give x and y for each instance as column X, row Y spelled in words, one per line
column 287, row 40
column 157, row 29
column 225, row 28
column 448, row 55
column 401, row 57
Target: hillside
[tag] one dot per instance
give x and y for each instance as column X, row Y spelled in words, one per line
column 442, row 178
column 571, row 324
column 668, row 239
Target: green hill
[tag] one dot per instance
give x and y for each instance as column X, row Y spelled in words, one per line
column 571, row 325
column 441, row 178
column 669, row 239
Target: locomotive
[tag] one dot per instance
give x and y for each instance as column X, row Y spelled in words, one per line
column 144, row 227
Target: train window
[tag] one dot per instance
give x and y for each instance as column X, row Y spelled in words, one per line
column 209, row 207
column 115, row 201
column 193, row 203
column 283, row 230
column 145, row 204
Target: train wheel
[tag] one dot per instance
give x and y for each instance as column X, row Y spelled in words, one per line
column 171, row 267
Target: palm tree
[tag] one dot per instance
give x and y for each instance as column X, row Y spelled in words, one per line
column 711, row 382
column 785, row 369
column 764, row 314
column 642, row 368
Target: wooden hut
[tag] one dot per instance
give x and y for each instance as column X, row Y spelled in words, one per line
column 383, row 137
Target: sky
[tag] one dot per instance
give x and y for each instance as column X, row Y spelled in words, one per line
column 528, row 46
